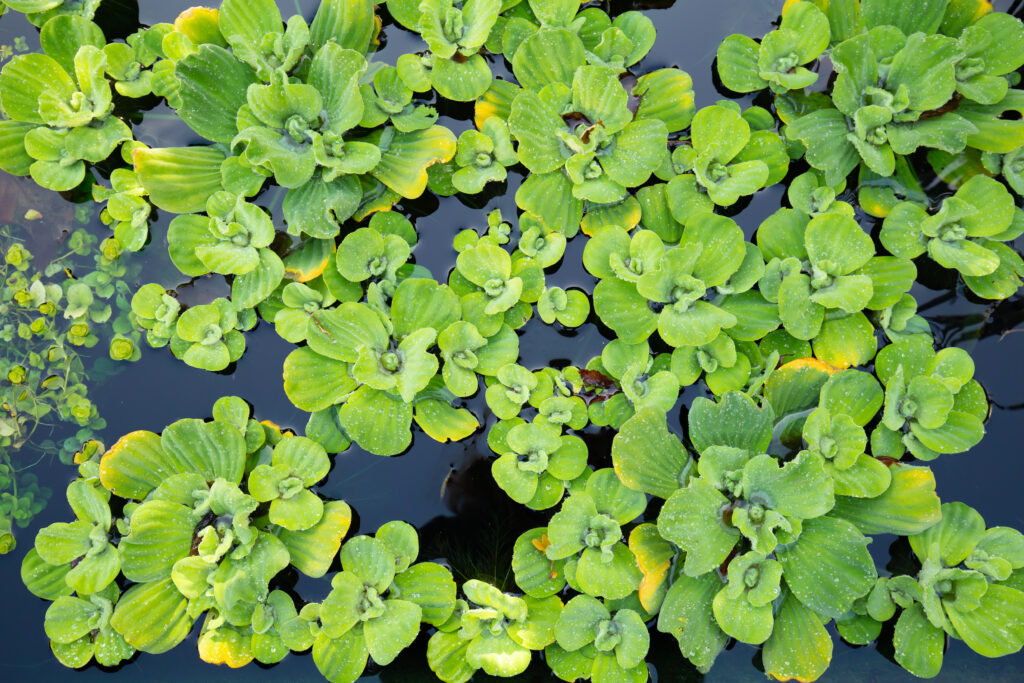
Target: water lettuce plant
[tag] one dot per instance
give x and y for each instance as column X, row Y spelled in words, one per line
column 188, row 543
column 645, row 286
column 376, row 365
column 725, row 159
column 777, row 62
column 965, row 589
column 378, row 601
column 492, row 631
column 60, row 108
column 967, row 234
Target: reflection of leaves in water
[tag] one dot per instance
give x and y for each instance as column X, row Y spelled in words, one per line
column 614, row 7
column 478, row 541
column 987, row 319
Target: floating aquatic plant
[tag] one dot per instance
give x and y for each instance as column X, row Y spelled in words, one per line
column 186, row 499
column 802, row 456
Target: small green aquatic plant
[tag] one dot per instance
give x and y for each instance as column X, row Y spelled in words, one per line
column 777, row 62
column 967, row 588
column 606, row 646
column 378, row 602
column 49, row 319
column 932, row 403
column 536, row 461
column 967, row 233
column 645, row 287
column 493, row 631
column 727, row 158
column 375, row 365
column 60, row 107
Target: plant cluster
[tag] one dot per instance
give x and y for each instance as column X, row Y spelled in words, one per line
column 825, row 384
column 197, row 520
column 48, row 321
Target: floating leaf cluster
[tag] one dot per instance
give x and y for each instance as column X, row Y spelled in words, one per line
column 824, row 385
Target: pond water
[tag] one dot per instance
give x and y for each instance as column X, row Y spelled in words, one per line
column 446, row 490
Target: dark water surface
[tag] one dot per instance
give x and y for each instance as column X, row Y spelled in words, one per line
column 446, row 490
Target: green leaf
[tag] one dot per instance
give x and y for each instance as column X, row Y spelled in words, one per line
column 846, row 341
column 908, row 506
column 313, row 382
column 578, row 622
column 953, row 538
column 833, row 546
column 43, row 579
column 735, row 420
column 152, row 617
column 212, row 449
column 623, row 309
column 393, row 631
column 95, row 572
column 344, row 330
column 13, row 157
column 213, row 89
column 536, row 124
column 960, row 432
column 548, row 56
column 312, row 550
column 420, row 303
column 24, row 80
column 799, row 488
column 361, row 416
column 135, row 465
column 446, row 656
column 743, row 621
column 737, row 64
column 927, row 17
column 687, row 615
column 994, row 628
column 341, row 660
column 823, row 133
column 350, row 23
column 179, row 179
column 611, row 579
column 918, row 645
column 163, row 533
column 62, row 38
column 249, row 289
column 497, row 655
column 430, row 586
column 799, row 648
column 461, row 81
column 647, row 457
column 404, row 161
column 692, row 519
column 665, row 94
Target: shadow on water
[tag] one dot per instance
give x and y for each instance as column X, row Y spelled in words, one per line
column 447, row 490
